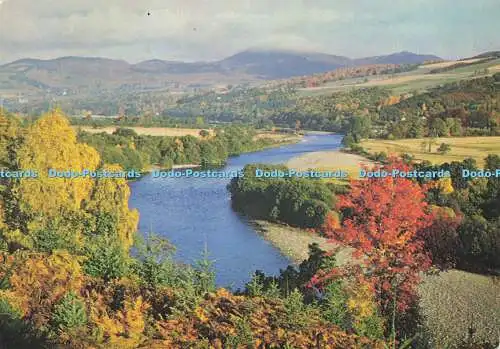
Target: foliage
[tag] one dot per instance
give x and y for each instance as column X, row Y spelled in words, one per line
column 382, row 219
column 122, row 329
column 68, row 314
column 153, row 261
column 222, row 317
column 38, row 281
column 444, row 148
column 465, row 232
column 441, row 237
column 14, row 332
column 466, row 107
column 131, row 151
column 47, row 213
column 302, row 202
column 105, row 259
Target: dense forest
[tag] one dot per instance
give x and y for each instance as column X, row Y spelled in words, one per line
column 298, row 202
column 463, row 108
column 469, row 237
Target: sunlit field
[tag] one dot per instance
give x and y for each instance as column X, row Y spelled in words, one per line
column 149, row 131
column 461, row 148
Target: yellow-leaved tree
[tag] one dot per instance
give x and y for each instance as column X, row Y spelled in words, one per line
column 110, row 196
column 51, row 144
column 58, row 212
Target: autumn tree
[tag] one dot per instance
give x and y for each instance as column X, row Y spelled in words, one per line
column 382, row 218
column 66, row 209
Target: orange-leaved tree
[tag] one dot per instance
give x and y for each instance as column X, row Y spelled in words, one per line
column 382, row 218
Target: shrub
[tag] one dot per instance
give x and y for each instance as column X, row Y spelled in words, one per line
column 380, row 157
column 69, row 313
column 348, row 140
column 204, row 133
column 444, row 148
column 14, row 333
column 105, row 259
column 125, row 132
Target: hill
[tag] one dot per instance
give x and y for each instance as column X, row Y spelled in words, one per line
column 277, row 64
column 80, row 75
column 403, row 57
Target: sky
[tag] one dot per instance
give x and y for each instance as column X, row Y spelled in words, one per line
column 204, row 30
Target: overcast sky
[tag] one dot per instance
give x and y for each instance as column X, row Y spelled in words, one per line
column 211, row 29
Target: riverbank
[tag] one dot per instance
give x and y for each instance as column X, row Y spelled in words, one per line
column 312, row 133
column 294, row 242
column 280, row 143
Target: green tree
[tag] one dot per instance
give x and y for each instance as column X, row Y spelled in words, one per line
column 444, row 148
column 438, row 128
column 204, row 133
column 69, row 313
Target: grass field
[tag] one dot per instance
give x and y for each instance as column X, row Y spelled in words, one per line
column 150, row 131
column 405, row 82
column 461, row 147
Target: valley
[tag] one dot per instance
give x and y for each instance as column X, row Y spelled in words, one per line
column 219, row 232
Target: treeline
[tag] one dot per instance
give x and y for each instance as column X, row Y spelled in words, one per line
column 299, row 202
column 469, row 237
column 139, row 121
column 331, row 112
column 132, row 151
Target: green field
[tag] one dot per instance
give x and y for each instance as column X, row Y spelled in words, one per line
column 461, row 148
column 416, row 80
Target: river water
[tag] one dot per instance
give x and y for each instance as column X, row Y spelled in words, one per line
column 192, row 212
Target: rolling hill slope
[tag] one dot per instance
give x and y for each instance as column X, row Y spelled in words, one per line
column 80, row 75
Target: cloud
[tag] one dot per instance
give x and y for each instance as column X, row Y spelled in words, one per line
column 211, row 29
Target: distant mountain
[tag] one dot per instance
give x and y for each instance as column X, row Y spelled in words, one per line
column 403, row 57
column 277, row 64
column 158, row 66
column 72, row 65
column 78, row 75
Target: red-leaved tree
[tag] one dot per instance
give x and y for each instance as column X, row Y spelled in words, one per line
column 382, row 221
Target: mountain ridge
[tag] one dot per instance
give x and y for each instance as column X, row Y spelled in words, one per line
column 32, row 76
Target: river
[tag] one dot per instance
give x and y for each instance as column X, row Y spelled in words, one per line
column 192, row 212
